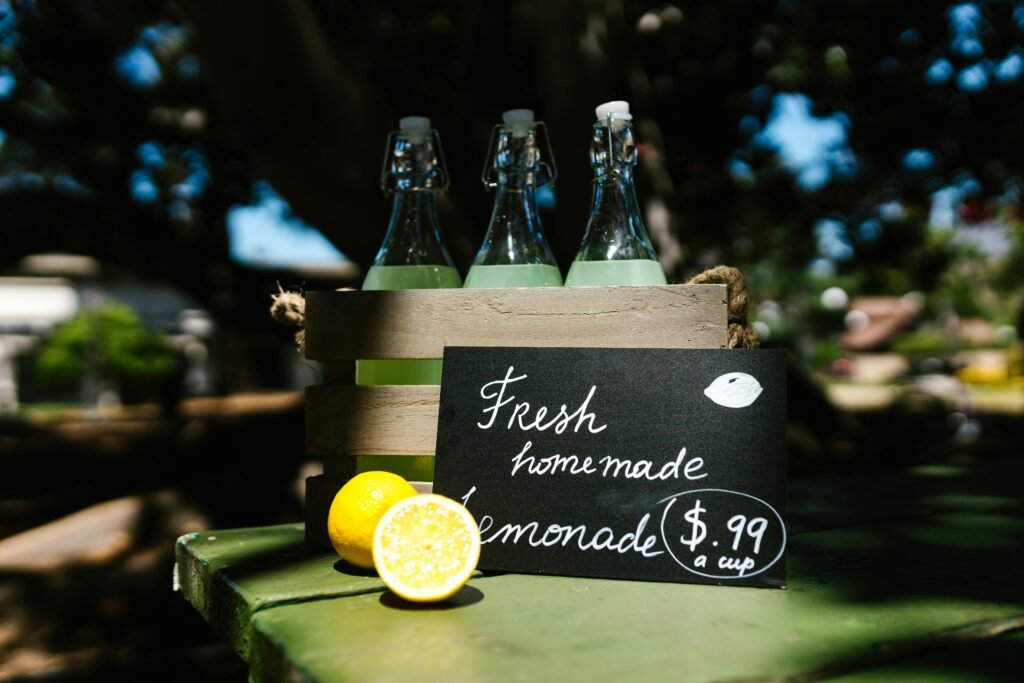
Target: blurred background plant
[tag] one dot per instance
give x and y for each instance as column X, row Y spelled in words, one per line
column 108, row 342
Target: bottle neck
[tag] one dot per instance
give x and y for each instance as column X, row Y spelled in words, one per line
column 612, row 149
column 614, row 199
column 414, row 235
column 615, row 229
column 517, row 180
column 412, row 182
column 514, row 235
column 414, row 160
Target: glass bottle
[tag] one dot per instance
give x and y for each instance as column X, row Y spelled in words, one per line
column 515, row 252
column 411, row 257
column 616, row 249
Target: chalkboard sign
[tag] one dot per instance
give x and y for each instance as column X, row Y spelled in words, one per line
column 653, row 464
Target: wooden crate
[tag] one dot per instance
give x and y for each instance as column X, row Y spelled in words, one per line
column 344, row 421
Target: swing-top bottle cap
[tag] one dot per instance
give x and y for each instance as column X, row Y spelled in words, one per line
column 520, row 116
column 414, row 155
column 414, row 123
column 617, row 109
column 519, row 121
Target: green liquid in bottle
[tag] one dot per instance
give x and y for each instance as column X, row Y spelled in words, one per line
column 411, row 277
column 405, row 371
column 621, row 272
column 518, row 275
column 409, row 467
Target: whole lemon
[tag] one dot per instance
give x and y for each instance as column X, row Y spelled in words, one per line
column 357, row 508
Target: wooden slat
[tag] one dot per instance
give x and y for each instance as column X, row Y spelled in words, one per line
column 348, row 421
column 420, row 323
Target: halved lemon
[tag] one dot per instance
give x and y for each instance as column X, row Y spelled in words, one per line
column 426, row 547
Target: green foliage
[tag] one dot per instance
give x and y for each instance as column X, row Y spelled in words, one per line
column 1011, row 275
column 964, row 298
column 824, row 354
column 971, row 287
column 110, row 340
column 928, row 342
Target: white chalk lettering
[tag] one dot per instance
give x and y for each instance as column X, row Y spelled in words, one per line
column 641, row 469
column 741, row 565
column 517, row 530
column 564, row 534
column 690, row 471
column 553, row 464
column 631, row 540
column 578, row 419
column 556, row 539
column 581, row 416
column 519, row 411
column 597, row 544
column 497, row 393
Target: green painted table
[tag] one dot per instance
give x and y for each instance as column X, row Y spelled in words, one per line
column 898, row 576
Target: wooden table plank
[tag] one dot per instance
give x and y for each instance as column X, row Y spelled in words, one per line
column 230, row 575
column 853, row 592
column 895, row 547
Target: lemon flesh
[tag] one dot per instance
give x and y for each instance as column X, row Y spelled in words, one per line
column 356, row 510
column 426, row 548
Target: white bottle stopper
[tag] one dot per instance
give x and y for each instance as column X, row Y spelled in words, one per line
column 519, row 121
column 414, row 123
column 618, row 109
column 518, row 116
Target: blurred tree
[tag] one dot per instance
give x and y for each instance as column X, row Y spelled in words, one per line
column 106, row 151
column 110, row 344
column 802, row 141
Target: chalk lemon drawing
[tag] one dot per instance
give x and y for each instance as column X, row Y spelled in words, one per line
column 734, row 390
